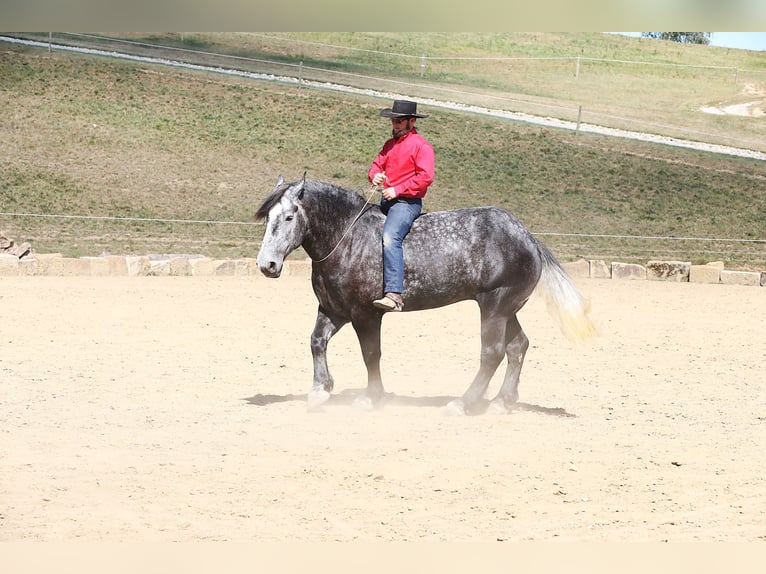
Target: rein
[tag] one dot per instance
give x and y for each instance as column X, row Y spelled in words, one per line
column 373, row 189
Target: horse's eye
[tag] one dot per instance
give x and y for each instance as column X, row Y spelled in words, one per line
column 289, row 218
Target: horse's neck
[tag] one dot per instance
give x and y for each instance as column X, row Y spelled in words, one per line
column 328, row 222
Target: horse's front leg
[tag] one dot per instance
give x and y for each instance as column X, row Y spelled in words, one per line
column 368, row 331
column 326, row 326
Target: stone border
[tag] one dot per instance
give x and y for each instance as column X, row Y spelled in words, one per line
column 673, row 271
column 56, row 265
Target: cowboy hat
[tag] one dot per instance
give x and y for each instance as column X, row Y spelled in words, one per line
column 402, row 109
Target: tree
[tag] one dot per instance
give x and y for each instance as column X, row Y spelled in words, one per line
column 682, row 37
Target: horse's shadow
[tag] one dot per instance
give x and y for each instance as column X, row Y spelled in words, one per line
column 348, row 396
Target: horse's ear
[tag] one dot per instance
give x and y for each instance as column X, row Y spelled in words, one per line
column 280, row 181
column 299, row 195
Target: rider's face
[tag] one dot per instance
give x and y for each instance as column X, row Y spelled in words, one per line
column 400, row 126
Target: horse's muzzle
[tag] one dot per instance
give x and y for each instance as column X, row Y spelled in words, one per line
column 271, row 269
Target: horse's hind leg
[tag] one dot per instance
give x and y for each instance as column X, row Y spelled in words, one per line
column 492, row 351
column 325, row 327
column 516, row 347
column 368, row 332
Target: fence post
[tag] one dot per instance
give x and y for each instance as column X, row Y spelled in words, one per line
column 300, row 73
column 736, row 75
column 579, row 116
column 577, row 68
column 50, row 41
column 422, row 65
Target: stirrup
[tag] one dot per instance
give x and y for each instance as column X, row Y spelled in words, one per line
column 387, row 303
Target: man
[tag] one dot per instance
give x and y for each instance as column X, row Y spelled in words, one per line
column 405, row 169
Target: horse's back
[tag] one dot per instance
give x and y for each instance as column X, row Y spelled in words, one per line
column 480, row 232
column 478, row 220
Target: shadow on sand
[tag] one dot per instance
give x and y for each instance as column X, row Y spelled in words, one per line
column 348, row 396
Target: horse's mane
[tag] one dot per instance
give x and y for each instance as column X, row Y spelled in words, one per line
column 325, row 192
column 271, row 200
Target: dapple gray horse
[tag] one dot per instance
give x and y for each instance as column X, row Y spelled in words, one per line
column 483, row 253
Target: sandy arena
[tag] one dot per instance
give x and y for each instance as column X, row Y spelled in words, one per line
column 173, row 409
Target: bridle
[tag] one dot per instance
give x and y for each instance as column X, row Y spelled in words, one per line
column 373, row 189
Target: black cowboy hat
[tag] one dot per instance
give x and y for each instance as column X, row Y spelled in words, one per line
column 402, row 109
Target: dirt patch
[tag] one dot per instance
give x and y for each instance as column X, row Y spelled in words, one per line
column 753, row 109
column 748, row 109
column 174, row 409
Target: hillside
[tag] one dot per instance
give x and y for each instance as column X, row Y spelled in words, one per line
column 100, row 137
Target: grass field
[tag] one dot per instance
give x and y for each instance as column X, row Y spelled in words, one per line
column 633, row 83
column 94, row 136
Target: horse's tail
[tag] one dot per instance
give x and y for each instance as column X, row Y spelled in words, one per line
column 565, row 303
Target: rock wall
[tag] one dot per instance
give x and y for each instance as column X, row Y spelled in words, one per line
column 54, row 264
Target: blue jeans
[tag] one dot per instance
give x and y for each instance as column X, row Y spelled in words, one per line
column 400, row 213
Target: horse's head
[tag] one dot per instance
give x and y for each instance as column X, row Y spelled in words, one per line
column 285, row 225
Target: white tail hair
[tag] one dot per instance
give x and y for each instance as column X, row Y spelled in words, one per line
column 565, row 303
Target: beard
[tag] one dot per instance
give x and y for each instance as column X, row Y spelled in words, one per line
column 396, row 134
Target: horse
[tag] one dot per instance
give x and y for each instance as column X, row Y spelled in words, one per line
column 481, row 253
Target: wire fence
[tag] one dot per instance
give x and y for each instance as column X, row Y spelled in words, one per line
column 243, row 238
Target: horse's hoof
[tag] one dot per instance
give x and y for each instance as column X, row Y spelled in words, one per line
column 363, row 403
column 316, row 399
column 497, row 407
column 455, row 408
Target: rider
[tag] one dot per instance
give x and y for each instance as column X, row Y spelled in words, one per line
column 405, row 169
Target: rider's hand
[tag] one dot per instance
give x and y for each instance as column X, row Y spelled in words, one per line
column 389, row 193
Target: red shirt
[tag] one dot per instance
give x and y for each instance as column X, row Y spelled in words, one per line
column 408, row 163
